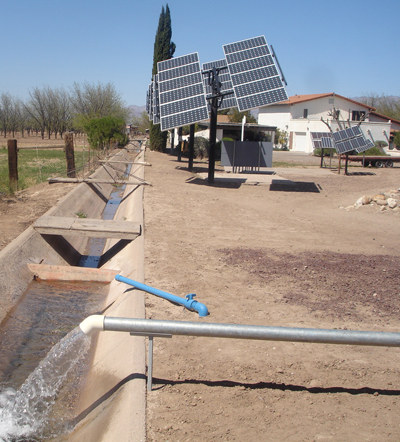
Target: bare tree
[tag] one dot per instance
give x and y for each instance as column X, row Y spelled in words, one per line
column 37, row 110
column 385, row 105
column 96, row 101
column 6, row 112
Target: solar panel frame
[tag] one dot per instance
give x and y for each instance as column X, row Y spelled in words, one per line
column 156, row 101
column 367, row 145
column 255, row 77
column 228, row 101
column 327, row 143
column 352, row 138
column 322, row 140
column 181, row 92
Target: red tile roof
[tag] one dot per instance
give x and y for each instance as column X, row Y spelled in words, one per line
column 294, row 99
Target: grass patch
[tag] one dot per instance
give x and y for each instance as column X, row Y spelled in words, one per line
column 35, row 166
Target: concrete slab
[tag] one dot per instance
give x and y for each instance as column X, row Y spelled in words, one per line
column 266, row 178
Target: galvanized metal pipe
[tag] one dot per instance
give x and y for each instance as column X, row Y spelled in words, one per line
column 258, row 332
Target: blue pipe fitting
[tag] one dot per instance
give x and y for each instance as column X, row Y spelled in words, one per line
column 188, row 303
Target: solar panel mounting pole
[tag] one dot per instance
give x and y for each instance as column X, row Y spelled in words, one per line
column 191, row 147
column 216, row 93
column 213, row 139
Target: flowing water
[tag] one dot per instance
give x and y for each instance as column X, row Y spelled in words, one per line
column 96, row 245
column 24, row 413
column 29, row 380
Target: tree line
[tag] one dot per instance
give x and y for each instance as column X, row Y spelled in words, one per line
column 54, row 111
column 389, row 106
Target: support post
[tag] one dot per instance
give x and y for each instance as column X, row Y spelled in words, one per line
column 213, row 139
column 151, row 337
column 69, row 153
column 180, row 144
column 191, row 147
column 172, row 142
column 13, row 164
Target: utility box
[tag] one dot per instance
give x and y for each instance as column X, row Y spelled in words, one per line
column 254, row 154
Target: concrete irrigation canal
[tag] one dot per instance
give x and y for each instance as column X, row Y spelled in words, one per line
column 39, row 317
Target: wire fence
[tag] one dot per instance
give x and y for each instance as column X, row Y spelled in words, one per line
column 37, row 164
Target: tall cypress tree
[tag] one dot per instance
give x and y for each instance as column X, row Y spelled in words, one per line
column 164, row 49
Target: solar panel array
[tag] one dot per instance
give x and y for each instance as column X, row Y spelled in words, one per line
column 181, row 92
column 350, row 139
column 149, row 99
column 224, row 77
column 322, row 140
column 255, row 77
column 343, row 141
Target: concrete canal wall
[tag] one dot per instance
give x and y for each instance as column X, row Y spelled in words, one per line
column 112, row 406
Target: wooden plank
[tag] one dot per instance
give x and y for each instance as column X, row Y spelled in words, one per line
column 95, row 228
column 44, row 272
column 125, row 162
column 93, row 181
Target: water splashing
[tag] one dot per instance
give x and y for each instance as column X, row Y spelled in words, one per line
column 24, row 413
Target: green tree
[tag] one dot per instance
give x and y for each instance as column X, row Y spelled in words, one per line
column 236, row 117
column 102, row 131
column 281, row 139
column 96, row 101
column 396, row 139
column 164, row 49
column 142, row 122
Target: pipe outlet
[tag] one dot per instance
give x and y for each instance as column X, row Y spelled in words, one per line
column 92, row 324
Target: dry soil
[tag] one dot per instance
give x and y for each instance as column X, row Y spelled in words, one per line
column 297, row 255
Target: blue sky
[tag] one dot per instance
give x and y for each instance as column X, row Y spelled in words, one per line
column 347, row 46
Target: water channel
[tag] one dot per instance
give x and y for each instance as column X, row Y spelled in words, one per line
column 43, row 354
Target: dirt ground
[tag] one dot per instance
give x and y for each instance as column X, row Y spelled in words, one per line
column 295, row 255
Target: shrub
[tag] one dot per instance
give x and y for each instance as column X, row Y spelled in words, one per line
column 327, row 152
column 374, row 151
column 201, row 147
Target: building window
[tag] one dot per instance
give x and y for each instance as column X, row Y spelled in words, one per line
column 305, row 113
column 357, row 115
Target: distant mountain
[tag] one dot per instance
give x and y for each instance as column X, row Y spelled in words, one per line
column 136, row 110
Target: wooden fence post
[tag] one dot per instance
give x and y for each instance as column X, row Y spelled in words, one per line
column 13, row 164
column 69, row 153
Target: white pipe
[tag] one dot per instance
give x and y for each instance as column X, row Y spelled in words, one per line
column 92, row 324
column 243, row 123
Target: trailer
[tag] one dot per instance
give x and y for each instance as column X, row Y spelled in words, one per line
column 374, row 161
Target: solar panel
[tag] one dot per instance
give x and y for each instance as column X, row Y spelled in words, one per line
column 367, row 145
column 156, row 101
column 322, row 140
column 226, row 83
column 181, row 92
column 149, row 105
column 350, row 139
column 255, row 77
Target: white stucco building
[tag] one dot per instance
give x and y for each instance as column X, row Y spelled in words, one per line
column 302, row 114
